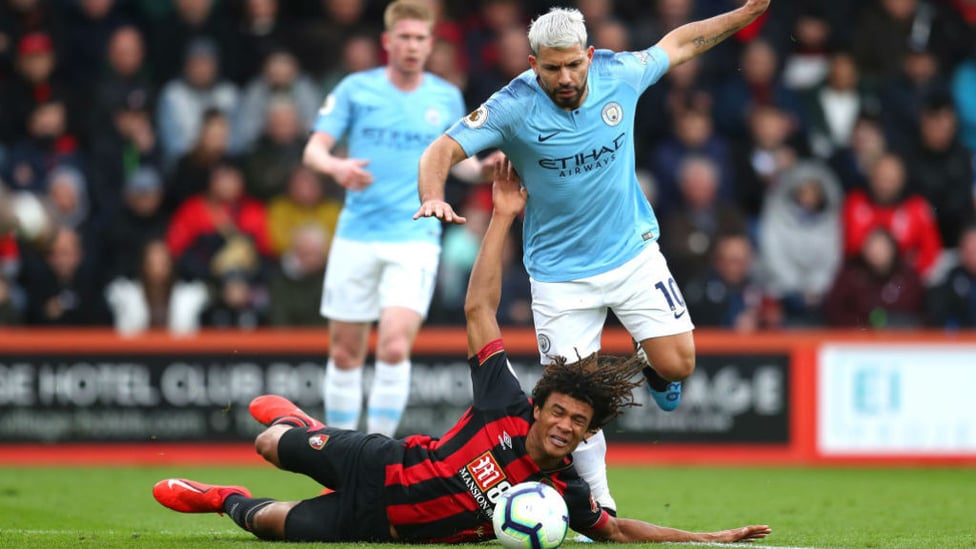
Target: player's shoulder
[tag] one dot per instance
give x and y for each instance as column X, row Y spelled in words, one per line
column 366, row 77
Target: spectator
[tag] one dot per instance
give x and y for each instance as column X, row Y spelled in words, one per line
column 876, row 288
column 359, row 52
column 62, row 285
column 693, row 135
column 33, row 83
column 19, row 18
column 963, row 84
column 281, row 77
column 853, row 163
column 689, row 231
column 683, row 88
column 727, row 296
column 459, row 249
column 192, row 172
column 220, row 231
column 126, row 75
column 9, row 316
column 259, row 32
column 278, row 150
column 239, row 304
column 67, row 201
column 296, row 284
column 512, row 51
column 774, row 145
column 834, row 107
column 904, row 96
column 175, row 32
column 184, row 100
column 808, row 64
column 940, row 168
column 46, row 145
column 758, row 84
column 127, row 142
column 89, row 26
column 800, row 244
column 887, row 203
column 140, row 221
column 155, row 299
column 952, row 302
column 305, row 203
column 327, row 31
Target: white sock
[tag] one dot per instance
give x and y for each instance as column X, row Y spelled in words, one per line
column 343, row 394
column 388, row 397
column 590, row 460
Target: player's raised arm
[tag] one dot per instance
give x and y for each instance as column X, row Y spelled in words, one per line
column 485, row 286
column 636, row 531
column 435, row 163
column 697, row 37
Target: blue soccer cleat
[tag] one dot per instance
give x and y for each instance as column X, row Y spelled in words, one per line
column 667, row 399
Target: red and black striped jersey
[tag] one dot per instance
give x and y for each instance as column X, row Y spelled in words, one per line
column 444, row 490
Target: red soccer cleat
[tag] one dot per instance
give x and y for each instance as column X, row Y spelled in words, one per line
column 273, row 409
column 188, row 496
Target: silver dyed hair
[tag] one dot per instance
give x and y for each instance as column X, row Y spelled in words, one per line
column 560, row 28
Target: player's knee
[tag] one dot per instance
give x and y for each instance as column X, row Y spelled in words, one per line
column 393, row 350
column 266, row 444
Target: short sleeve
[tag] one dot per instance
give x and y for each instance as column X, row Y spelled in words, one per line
column 584, row 511
column 642, row 68
column 493, row 381
column 336, row 111
column 487, row 126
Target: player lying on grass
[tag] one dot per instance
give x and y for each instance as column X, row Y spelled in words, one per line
column 423, row 489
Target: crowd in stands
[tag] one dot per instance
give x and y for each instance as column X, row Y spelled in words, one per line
column 817, row 169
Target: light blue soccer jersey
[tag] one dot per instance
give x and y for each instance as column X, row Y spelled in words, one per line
column 390, row 128
column 586, row 213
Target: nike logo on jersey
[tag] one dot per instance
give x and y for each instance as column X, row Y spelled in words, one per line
column 544, row 138
column 678, row 315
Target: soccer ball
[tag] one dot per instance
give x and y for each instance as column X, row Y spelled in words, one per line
column 531, row 515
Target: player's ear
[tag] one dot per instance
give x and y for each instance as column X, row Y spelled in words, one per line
column 534, row 63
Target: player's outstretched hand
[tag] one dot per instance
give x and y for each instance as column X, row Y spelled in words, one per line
column 745, row 533
column 350, row 174
column 439, row 209
column 508, row 196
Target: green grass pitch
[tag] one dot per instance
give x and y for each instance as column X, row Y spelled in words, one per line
column 806, row 507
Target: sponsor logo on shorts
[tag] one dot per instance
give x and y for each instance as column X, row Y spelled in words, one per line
column 678, row 315
column 317, row 442
column 544, row 343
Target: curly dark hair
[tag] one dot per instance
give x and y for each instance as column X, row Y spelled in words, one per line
column 606, row 383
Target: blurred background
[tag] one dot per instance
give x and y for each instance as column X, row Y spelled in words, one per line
column 813, row 176
column 814, row 170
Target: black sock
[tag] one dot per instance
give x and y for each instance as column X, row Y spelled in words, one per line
column 290, row 420
column 242, row 509
column 655, row 380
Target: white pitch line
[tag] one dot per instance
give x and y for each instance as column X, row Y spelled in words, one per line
column 750, row 545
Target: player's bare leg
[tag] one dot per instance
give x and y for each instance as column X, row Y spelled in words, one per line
column 671, row 360
column 390, row 390
column 342, row 388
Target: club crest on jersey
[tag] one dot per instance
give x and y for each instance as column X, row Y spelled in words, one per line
column 328, row 105
column 317, row 442
column 477, row 118
column 613, row 113
column 432, row 116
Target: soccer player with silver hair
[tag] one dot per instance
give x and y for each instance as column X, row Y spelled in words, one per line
column 590, row 235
